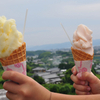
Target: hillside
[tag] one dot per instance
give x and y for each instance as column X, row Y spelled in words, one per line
column 57, row 46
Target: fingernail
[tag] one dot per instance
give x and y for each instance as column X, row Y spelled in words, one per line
column 79, row 75
column 73, row 71
column 88, row 88
column 82, row 82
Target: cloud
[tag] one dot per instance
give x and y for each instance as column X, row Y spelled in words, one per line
column 46, row 36
column 74, row 11
column 44, row 17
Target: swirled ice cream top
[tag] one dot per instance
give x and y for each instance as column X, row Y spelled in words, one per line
column 10, row 37
column 82, row 39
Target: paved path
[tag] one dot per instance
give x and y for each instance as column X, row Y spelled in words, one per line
column 3, row 94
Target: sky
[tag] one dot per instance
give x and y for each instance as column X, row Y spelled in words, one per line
column 44, row 18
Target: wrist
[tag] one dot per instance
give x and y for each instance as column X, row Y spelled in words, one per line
column 50, row 96
column 99, row 87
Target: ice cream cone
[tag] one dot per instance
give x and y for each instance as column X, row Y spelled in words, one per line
column 82, row 49
column 16, row 60
column 16, row 56
column 79, row 55
column 83, row 61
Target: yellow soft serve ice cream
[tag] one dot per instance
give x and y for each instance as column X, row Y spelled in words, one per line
column 10, row 37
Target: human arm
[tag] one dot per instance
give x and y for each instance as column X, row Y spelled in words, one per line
column 80, row 80
column 58, row 96
column 22, row 87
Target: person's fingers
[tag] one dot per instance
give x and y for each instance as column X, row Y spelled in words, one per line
column 14, row 76
column 88, row 77
column 74, row 71
column 81, row 88
column 76, row 80
column 11, row 96
column 82, row 93
column 11, row 86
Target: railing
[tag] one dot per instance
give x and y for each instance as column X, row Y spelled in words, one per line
column 3, row 94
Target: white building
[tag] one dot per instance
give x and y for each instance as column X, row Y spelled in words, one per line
column 38, row 69
column 54, row 70
column 97, row 69
column 50, row 76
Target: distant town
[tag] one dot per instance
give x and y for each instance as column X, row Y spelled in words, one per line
column 50, row 67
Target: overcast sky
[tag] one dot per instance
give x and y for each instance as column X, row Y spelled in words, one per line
column 44, row 18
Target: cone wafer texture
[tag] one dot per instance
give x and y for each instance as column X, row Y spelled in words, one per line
column 79, row 55
column 16, row 56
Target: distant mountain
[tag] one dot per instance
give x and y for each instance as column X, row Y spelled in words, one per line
column 58, row 46
column 96, row 42
column 50, row 46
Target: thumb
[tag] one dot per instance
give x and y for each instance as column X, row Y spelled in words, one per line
column 86, row 76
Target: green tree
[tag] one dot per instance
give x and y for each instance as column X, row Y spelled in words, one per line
column 29, row 69
column 33, row 53
column 1, row 80
column 28, row 59
column 62, row 66
column 93, row 71
column 72, row 90
column 66, row 66
column 66, row 78
column 54, row 88
column 68, row 60
column 1, row 68
column 45, row 55
column 31, row 59
column 64, row 54
column 32, row 64
column 39, row 79
column 1, row 86
column 64, row 89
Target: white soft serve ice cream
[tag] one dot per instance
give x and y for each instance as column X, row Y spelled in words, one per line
column 82, row 39
column 10, row 37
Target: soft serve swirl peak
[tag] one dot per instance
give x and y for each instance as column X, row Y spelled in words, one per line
column 82, row 39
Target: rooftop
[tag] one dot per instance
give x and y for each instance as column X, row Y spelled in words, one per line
column 55, row 80
column 42, row 73
column 38, row 68
column 53, row 70
column 50, row 76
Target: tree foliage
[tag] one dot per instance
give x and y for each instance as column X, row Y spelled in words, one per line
column 66, row 78
column 29, row 69
column 60, row 88
column 39, row 79
column 45, row 55
column 68, row 60
column 66, row 66
column 29, row 59
column 1, row 68
column 54, row 88
column 1, row 80
column 64, row 89
column 64, row 53
column 33, row 53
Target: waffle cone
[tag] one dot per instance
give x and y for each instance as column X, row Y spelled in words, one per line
column 16, row 56
column 79, row 55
